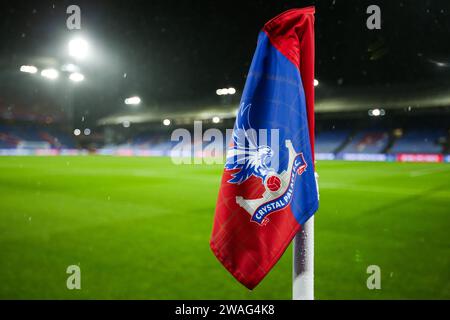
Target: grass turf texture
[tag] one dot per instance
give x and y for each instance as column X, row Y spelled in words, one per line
column 139, row 229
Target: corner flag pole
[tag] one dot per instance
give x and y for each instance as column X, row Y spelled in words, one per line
column 303, row 264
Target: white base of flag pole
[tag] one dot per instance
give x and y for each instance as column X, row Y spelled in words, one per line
column 303, row 264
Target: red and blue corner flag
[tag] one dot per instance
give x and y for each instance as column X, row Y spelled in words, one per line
column 268, row 188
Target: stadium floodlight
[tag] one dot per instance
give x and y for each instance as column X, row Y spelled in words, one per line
column 87, row 131
column 226, row 91
column 28, row 69
column 126, row 124
column 76, row 77
column 77, row 132
column 166, row 122
column 78, row 48
column 133, row 100
column 51, row 74
column 316, row 82
column 376, row 112
column 215, row 119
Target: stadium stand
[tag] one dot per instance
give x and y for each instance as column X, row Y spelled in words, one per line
column 370, row 143
column 26, row 136
column 367, row 142
column 338, row 142
column 420, row 141
column 330, row 141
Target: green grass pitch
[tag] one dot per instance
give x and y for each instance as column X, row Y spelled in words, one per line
column 139, row 228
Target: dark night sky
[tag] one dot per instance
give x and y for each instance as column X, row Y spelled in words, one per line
column 182, row 51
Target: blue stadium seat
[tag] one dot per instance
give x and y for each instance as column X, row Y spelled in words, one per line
column 330, row 141
column 370, row 141
column 419, row 141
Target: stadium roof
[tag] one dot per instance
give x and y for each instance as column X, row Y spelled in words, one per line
column 328, row 100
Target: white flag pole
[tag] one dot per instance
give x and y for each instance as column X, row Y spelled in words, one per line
column 303, row 264
column 303, row 259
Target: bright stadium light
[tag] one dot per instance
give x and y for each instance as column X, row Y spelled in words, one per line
column 231, row 90
column 28, row 69
column 78, row 48
column 166, row 122
column 316, row 82
column 51, row 74
column 77, row 132
column 215, row 119
column 87, row 131
column 226, row 91
column 376, row 112
column 126, row 124
column 76, row 77
column 133, row 101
